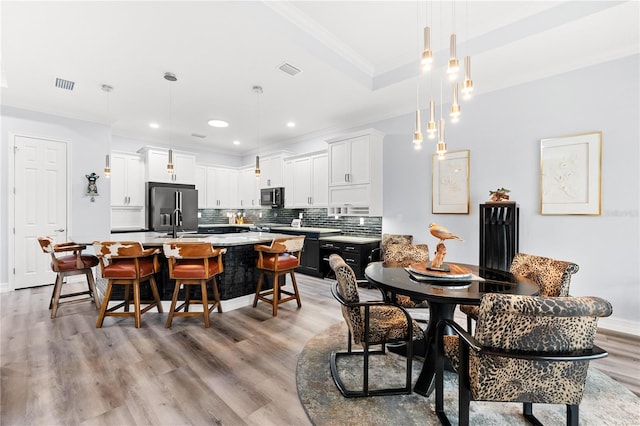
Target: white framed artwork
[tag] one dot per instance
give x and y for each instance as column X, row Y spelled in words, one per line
column 450, row 183
column 571, row 175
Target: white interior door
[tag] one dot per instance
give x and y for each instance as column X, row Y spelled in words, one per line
column 40, row 206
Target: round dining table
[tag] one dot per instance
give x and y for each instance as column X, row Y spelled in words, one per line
column 443, row 295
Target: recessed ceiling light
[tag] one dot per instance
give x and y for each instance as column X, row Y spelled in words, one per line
column 154, row 125
column 218, row 123
column 236, row 142
column 291, row 124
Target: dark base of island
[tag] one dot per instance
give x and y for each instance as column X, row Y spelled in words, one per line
column 238, row 279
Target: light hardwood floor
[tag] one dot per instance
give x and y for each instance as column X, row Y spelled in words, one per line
column 239, row 371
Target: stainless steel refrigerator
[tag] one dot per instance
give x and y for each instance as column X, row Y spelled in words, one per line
column 171, row 204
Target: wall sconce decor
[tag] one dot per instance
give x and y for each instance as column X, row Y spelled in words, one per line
column 92, row 188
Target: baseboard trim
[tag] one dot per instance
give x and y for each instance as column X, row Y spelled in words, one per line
column 620, row 325
column 4, row 287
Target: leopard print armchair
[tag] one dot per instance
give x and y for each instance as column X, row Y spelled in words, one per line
column 552, row 276
column 369, row 323
column 527, row 349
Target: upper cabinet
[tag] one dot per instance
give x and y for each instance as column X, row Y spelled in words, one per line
column 222, row 188
column 156, row 160
column 271, row 172
column 355, row 174
column 350, row 161
column 217, row 187
column 248, row 190
column 306, row 179
column 127, row 180
column 201, row 185
column 127, row 191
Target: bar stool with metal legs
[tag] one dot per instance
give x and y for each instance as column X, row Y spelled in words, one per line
column 73, row 263
column 190, row 264
column 280, row 258
column 127, row 263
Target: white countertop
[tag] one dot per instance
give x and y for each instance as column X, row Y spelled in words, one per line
column 151, row 239
column 351, row 239
column 308, row 229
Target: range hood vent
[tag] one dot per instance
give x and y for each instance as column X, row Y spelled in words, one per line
column 64, row 84
column 289, row 69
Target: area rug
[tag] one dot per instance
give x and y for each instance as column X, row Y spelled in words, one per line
column 605, row 401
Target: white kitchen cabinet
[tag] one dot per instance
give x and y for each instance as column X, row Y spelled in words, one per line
column 201, row 186
column 248, row 190
column 271, row 172
column 127, row 180
column 350, row 161
column 127, row 191
column 307, row 181
column 156, row 159
column 319, row 180
column 222, row 188
column 355, row 174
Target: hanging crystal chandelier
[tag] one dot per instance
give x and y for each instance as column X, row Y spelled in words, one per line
column 451, row 66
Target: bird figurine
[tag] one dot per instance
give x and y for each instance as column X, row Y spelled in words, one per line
column 442, row 233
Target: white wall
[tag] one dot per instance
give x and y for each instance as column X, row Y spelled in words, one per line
column 502, row 130
column 89, row 143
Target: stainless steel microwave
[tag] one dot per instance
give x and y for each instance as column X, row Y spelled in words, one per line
column 273, row 197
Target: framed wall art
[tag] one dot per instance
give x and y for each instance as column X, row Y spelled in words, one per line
column 571, row 175
column 450, row 183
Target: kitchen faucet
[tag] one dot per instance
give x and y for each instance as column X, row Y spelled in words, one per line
column 176, row 221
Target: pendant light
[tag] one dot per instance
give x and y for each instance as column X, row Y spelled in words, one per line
column 417, row 134
column 432, row 127
column 170, row 77
column 467, row 84
column 107, row 167
column 441, row 147
column 427, row 53
column 107, row 163
column 453, row 66
column 258, row 91
column 455, row 105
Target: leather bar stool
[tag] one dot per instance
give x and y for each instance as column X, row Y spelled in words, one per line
column 73, row 263
column 190, row 264
column 127, row 263
column 280, row 258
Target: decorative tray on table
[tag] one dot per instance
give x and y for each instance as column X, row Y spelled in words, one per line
column 457, row 275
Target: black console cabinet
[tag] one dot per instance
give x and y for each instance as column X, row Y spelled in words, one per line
column 499, row 234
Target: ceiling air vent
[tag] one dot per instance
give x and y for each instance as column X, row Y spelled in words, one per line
column 64, row 84
column 198, row 135
column 289, row 69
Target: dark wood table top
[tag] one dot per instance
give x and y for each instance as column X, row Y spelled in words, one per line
column 468, row 292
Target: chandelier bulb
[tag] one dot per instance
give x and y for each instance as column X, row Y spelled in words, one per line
column 467, row 84
column 427, row 54
column 455, row 105
column 453, row 65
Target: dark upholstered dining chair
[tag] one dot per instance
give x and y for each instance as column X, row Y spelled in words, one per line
column 370, row 323
column 552, row 276
column 527, row 349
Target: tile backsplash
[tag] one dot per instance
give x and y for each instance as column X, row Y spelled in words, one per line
column 315, row 218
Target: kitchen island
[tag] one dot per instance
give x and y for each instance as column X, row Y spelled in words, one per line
column 239, row 277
